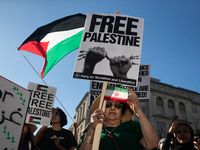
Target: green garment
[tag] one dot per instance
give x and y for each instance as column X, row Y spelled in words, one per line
column 67, row 139
column 127, row 136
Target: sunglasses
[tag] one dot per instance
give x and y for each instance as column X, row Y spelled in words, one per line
column 196, row 139
column 110, row 104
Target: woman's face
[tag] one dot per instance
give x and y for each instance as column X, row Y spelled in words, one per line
column 113, row 110
column 55, row 118
column 183, row 134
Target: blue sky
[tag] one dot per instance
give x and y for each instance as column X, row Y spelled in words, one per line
column 170, row 42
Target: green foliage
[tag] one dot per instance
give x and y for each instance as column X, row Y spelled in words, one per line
column 8, row 134
column 20, row 94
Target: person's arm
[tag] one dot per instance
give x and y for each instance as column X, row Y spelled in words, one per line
column 149, row 139
column 170, row 136
column 39, row 135
column 166, row 144
column 97, row 117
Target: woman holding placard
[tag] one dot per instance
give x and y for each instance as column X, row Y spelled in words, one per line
column 119, row 131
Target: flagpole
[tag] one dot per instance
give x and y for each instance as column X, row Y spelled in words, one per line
column 46, row 84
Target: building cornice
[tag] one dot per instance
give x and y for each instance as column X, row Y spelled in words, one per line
column 171, row 94
column 157, row 81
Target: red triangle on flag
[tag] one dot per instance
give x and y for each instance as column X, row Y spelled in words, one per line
column 30, row 119
column 38, row 87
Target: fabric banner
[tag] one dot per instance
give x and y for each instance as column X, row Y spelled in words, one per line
column 55, row 40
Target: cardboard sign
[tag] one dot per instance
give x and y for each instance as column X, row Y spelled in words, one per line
column 41, row 102
column 142, row 90
column 14, row 101
column 110, row 49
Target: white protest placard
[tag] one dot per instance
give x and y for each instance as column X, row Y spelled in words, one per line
column 41, row 102
column 14, row 101
column 142, row 90
column 110, row 49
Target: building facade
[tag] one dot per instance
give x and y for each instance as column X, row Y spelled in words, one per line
column 165, row 101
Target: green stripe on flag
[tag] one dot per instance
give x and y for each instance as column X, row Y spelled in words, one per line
column 55, row 54
column 36, row 122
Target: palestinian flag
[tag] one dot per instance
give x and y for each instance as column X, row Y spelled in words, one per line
column 116, row 94
column 35, row 120
column 55, row 40
column 42, row 88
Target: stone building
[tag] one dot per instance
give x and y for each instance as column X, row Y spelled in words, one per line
column 165, row 101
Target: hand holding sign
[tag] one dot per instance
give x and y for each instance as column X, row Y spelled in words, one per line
column 94, row 55
column 120, row 66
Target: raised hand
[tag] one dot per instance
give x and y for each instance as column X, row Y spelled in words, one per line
column 93, row 56
column 120, row 66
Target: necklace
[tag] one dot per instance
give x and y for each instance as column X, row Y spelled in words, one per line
column 110, row 132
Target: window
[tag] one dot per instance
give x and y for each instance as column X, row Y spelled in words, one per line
column 182, row 112
column 171, row 114
column 181, row 106
column 143, row 109
column 194, row 110
column 196, row 121
column 159, row 111
column 182, row 116
column 170, row 108
column 161, row 129
column 159, row 103
column 170, row 104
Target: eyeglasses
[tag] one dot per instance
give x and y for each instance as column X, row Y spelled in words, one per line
column 110, row 104
column 196, row 139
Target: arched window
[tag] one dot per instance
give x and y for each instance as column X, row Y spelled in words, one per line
column 159, row 103
column 161, row 129
column 170, row 108
column 182, row 113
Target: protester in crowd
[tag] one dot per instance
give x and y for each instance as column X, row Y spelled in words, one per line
column 56, row 137
column 160, row 143
column 119, row 131
column 184, row 137
column 196, row 141
column 26, row 141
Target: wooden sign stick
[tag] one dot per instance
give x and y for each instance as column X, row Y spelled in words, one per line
column 98, row 128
